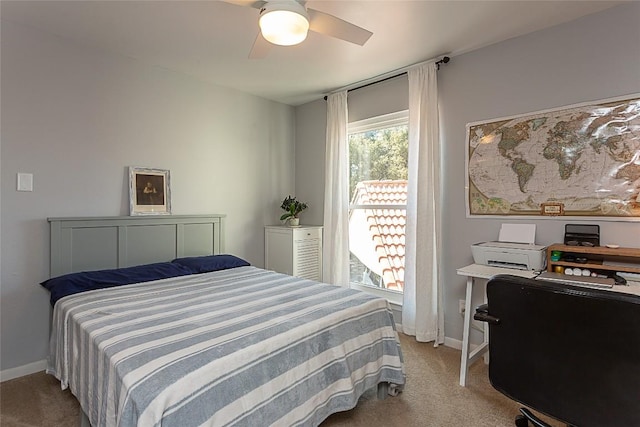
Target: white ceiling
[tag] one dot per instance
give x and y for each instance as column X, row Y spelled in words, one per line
column 211, row 40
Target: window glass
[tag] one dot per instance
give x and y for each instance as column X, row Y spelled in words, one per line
column 378, row 151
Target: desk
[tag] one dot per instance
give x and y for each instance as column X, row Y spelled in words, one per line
column 478, row 271
column 472, row 272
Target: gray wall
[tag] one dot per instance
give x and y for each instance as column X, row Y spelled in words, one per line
column 592, row 58
column 77, row 118
column 310, row 144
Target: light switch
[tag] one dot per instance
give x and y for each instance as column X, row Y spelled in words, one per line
column 25, row 181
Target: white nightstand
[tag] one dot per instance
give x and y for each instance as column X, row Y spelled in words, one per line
column 296, row 251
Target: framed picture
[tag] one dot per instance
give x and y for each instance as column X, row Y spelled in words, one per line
column 577, row 161
column 149, row 191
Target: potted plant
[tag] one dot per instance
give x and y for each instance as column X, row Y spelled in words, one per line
column 292, row 207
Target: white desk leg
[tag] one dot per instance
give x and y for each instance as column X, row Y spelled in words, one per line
column 464, row 362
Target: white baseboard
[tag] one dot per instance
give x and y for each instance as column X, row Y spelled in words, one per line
column 453, row 343
column 448, row 342
column 21, row 371
column 457, row 344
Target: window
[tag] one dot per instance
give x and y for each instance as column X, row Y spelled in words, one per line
column 378, row 172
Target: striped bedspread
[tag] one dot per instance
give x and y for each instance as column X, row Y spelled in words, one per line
column 244, row 346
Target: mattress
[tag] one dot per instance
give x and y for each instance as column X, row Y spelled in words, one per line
column 243, row 346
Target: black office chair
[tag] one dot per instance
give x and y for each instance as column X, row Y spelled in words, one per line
column 569, row 352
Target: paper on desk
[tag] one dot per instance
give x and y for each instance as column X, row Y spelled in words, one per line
column 518, row 233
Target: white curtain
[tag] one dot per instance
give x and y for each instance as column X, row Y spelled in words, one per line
column 422, row 314
column 335, row 252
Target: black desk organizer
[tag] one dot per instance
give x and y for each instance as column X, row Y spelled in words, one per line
column 581, row 234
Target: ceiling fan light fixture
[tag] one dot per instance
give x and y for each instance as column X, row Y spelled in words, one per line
column 284, row 23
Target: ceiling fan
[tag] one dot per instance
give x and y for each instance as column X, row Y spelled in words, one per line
column 286, row 22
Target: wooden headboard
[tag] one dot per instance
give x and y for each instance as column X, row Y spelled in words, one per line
column 97, row 243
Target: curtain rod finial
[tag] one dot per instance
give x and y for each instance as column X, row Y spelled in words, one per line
column 444, row 60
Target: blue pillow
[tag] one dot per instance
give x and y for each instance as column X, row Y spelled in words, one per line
column 74, row 283
column 205, row 264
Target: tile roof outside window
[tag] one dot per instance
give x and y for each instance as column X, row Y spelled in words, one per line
column 377, row 236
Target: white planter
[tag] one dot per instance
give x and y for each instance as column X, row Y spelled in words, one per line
column 294, row 222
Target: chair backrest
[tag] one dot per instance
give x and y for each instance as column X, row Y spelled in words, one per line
column 569, row 352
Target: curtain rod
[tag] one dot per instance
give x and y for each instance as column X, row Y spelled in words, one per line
column 444, row 60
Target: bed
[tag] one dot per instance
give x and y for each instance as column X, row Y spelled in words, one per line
column 218, row 342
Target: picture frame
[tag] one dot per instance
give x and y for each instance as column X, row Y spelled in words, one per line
column 149, row 191
column 556, row 162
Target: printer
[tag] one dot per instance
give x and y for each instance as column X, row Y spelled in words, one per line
column 521, row 256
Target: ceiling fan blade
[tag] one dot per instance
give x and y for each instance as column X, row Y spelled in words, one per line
column 261, row 47
column 329, row 25
column 256, row 4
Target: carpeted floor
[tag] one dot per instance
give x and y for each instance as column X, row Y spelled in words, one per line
column 432, row 397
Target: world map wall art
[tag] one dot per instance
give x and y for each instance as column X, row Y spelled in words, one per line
column 580, row 160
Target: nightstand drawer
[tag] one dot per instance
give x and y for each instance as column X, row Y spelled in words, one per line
column 307, row 233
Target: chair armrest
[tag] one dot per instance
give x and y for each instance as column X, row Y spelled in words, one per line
column 482, row 314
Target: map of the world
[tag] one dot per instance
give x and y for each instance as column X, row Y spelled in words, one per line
column 581, row 160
